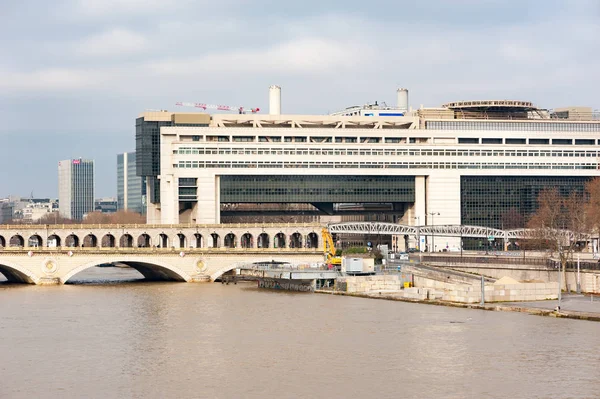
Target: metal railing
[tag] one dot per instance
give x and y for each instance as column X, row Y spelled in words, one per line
column 18, row 250
column 541, row 263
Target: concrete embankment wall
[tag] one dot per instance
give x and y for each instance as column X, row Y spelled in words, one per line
column 360, row 284
column 430, row 289
column 590, row 280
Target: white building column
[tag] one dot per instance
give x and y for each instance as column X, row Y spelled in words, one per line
column 417, row 216
column 209, row 200
column 169, row 199
column 443, row 197
column 169, row 183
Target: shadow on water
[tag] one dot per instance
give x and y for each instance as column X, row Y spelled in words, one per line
column 107, row 275
column 102, row 275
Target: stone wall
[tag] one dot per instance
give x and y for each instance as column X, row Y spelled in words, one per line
column 590, row 280
column 428, row 289
column 360, row 284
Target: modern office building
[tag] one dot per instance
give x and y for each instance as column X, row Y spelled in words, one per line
column 105, row 205
column 75, row 188
column 148, row 146
column 467, row 162
column 6, row 211
column 131, row 188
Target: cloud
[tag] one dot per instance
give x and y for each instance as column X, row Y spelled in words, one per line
column 309, row 55
column 52, row 79
column 112, row 7
column 111, row 43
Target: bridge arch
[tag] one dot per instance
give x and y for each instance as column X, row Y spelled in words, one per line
column 215, row 240
column 198, row 240
column 126, row 241
column 15, row 273
column 151, row 268
column 247, row 241
column 35, row 241
column 144, row 241
column 72, row 241
column 90, row 241
column 17, row 241
column 181, row 240
column 263, row 240
column 54, row 241
column 279, row 240
column 296, row 240
column 162, row 241
column 229, row 240
column 2, row 242
column 312, row 240
column 108, row 241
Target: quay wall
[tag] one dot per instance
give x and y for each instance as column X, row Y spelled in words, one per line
column 590, row 280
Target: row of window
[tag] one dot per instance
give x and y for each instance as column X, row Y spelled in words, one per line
column 384, row 165
column 513, row 126
column 384, row 152
column 524, row 141
column 395, row 140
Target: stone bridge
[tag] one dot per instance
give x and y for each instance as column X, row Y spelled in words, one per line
column 52, row 254
column 58, row 265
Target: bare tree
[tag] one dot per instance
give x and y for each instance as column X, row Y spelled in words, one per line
column 55, row 218
column 562, row 223
column 127, row 217
column 592, row 207
column 512, row 219
column 97, row 218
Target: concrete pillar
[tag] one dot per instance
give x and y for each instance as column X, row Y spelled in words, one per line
column 169, row 183
column 443, row 197
column 420, row 206
column 208, row 209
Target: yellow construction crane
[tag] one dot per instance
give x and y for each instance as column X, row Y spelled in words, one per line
column 329, row 250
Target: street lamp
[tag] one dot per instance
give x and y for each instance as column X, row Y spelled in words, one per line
column 432, row 214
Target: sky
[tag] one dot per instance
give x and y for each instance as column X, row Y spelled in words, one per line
column 74, row 74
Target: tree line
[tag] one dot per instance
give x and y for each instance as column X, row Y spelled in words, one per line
column 119, row 217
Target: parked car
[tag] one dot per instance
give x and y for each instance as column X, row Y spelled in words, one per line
column 402, row 256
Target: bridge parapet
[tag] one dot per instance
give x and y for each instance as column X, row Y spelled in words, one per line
column 249, row 236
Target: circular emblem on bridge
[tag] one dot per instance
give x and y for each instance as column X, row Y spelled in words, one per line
column 201, row 265
column 49, row 266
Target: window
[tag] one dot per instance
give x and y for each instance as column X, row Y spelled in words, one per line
column 491, row 141
column 539, row 141
column 468, row 140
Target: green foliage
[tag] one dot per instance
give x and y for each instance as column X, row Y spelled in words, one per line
column 355, row 250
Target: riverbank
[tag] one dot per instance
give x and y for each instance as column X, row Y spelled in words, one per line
column 523, row 307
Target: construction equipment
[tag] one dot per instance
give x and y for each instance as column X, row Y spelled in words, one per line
column 241, row 110
column 329, row 250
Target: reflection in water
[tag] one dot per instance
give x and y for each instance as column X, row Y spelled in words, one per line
column 234, row 341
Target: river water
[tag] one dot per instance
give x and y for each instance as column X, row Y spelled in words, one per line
column 106, row 337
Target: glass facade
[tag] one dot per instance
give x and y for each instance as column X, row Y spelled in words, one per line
column 76, row 188
column 317, row 189
column 131, row 188
column 488, row 200
column 147, row 148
